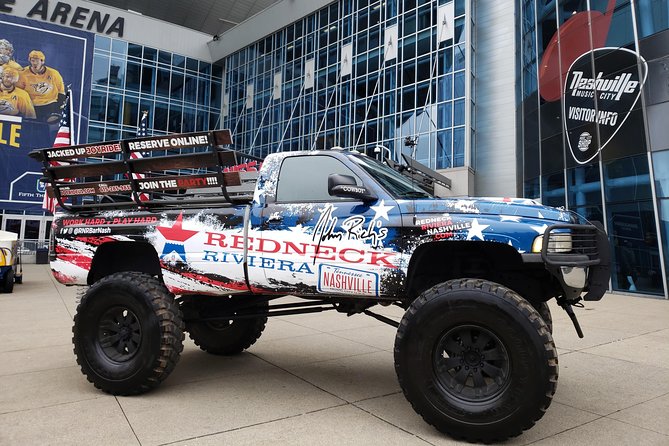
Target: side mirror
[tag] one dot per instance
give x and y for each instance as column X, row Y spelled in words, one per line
column 345, row 186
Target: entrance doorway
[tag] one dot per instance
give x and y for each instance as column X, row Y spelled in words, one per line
column 28, row 227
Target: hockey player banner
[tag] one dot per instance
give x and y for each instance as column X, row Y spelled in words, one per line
column 37, row 63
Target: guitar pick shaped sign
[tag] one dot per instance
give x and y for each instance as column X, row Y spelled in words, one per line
column 600, row 95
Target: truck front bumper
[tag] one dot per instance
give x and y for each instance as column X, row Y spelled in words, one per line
column 585, row 266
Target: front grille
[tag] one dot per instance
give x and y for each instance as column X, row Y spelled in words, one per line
column 584, row 241
column 571, row 245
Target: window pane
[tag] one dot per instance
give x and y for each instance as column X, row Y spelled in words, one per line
column 459, row 112
column 100, row 70
column 459, row 147
column 177, row 86
column 119, row 47
column 203, row 92
column 31, row 230
column 148, row 81
column 130, row 111
column 215, row 95
column 178, row 61
column 627, row 179
column 459, row 85
column 444, row 152
column 190, row 89
column 98, row 106
column 175, row 119
column 150, row 53
column 164, row 57
column 134, row 50
column 636, row 261
column 102, row 43
column 205, row 68
column 445, row 88
column 191, row 64
column 652, row 16
column 214, row 121
column 661, row 161
column 305, row 178
column 188, row 120
column 163, row 83
column 584, row 193
column 117, row 72
column 95, row 134
column 444, row 116
column 201, row 122
column 114, row 108
column 132, row 76
column 112, row 135
column 160, row 118
column 459, row 52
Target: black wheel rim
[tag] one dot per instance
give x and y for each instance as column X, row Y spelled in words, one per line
column 218, row 325
column 471, row 364
column 119, row 334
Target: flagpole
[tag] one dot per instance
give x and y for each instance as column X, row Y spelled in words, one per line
column 141, row 132
column 49, row 203
column 73, row 138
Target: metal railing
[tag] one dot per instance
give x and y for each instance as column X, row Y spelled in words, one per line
column 33, row 251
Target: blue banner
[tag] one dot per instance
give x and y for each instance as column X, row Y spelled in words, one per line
column 37, row 60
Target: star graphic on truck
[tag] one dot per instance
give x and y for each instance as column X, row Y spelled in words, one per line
column 175, row 237
column 381, row 211
column 476, row 230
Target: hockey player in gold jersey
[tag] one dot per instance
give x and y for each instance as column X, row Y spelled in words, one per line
column 14, row 101
column 7, row 55
column 45, row 87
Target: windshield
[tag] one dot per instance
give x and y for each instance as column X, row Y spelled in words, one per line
column 394, row 182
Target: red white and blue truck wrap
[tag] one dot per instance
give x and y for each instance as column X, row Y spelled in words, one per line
column 215, row 244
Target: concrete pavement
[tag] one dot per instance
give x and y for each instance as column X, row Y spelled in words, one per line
column 316, row 379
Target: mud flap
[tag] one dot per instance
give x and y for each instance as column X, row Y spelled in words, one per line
column 600, row 274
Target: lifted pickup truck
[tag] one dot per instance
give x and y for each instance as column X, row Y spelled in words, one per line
column 186, row 240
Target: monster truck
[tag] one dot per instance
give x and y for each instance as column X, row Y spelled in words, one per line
column 186, row 238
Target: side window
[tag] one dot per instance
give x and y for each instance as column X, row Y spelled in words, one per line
column 305, row 178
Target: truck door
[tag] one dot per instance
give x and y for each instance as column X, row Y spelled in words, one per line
column 313, row 243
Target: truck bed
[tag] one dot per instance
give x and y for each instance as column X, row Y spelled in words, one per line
column 151, row 173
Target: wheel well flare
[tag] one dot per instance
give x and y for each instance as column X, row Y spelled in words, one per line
column 117, row 257
column 438, row 262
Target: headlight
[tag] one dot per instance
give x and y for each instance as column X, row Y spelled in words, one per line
column 538, row 243
column 557, row 243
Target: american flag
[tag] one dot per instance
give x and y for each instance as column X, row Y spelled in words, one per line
column 141, row 132
column 63, row 138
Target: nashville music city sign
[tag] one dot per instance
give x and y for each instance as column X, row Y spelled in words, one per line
column 601, row 91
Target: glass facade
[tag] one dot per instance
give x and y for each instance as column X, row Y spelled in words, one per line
column 594, row 104
column 414, row 86
column 398, row 77
column 180, row 94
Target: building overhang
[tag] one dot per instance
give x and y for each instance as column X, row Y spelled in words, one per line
column 261, row 25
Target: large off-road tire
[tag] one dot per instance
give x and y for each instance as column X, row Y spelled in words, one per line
column 476, row 360
column 8, row 282
column 127, row 333
column 225, row 337
column 544, row 310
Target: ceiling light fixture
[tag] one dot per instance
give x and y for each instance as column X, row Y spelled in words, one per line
column 220, row 19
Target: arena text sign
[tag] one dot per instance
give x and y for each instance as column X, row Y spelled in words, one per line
column 64, row 13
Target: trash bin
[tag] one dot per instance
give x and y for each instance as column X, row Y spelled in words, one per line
column 42, row 256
